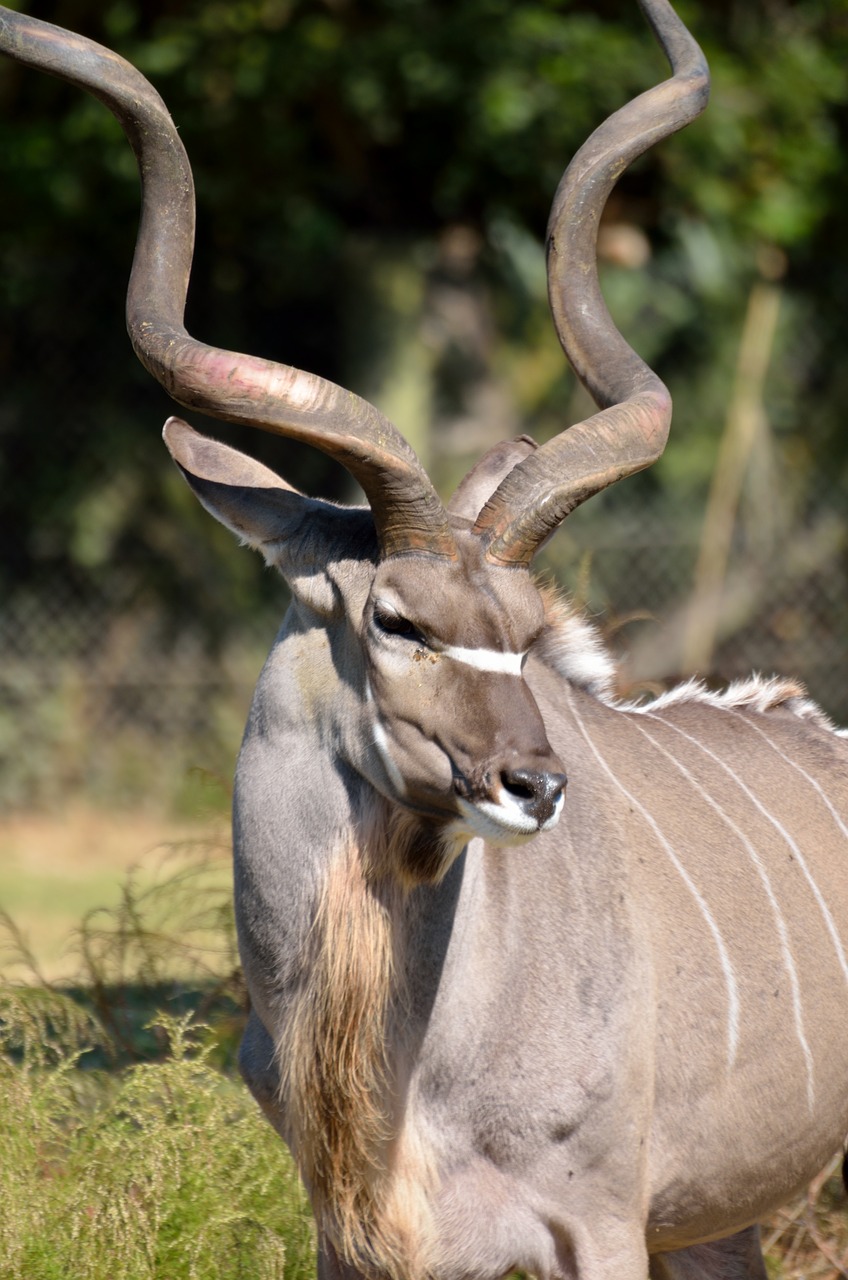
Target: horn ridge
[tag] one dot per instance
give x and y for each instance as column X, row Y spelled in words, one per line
column 631, row 431
column 277, row 398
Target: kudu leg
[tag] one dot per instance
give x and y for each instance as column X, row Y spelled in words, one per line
column 331, row 1266
column 737, row 1257
column 258, row 1067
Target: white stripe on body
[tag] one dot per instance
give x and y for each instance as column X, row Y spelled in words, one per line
column 799, row 857
column 724, row 958
column 749, row 723
column 788, row 960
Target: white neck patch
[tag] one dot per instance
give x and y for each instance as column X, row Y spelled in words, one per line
column 508, row 664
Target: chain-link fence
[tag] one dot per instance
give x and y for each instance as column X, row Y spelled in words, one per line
column 101, row 695
column 782, row 609
column 100, row 698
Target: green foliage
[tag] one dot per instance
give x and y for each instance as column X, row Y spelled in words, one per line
column 168, row 1171
column 43, row 1028
column 339, row 151
column 162, row 1169
column 316, row 130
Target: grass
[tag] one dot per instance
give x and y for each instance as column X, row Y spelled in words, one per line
column 56, row 869
column 165, row 1170
column 129, row 1149
column 808, row 1240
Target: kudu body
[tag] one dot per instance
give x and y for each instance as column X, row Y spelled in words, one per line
column 589, row 1055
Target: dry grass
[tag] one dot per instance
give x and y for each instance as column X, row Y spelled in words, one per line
column 56, row 869
column 808, row 1240
column 87, row 1142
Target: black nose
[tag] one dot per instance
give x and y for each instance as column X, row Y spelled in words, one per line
column 537, row 792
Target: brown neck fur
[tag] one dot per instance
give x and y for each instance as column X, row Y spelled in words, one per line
column 341, row 1087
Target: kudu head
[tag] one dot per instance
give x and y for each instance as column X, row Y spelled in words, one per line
column 430, row 610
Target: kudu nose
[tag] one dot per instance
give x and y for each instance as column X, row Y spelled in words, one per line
column 537, row 792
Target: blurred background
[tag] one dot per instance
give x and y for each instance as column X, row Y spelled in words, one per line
column 374, row 179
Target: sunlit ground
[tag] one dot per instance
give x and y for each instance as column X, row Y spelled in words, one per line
column 55, row 869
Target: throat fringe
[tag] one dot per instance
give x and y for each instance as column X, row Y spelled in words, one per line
column 367, row 1179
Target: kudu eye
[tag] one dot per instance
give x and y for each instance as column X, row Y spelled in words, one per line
column 395, row 624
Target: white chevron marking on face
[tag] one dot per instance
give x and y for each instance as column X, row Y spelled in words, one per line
column 381, row 742
column 508, row 664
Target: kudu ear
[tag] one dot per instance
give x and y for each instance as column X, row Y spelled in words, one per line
column 302, row 537
column 484, row 477
column 247, row 497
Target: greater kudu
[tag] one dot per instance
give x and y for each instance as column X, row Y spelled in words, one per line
column 589, row 1057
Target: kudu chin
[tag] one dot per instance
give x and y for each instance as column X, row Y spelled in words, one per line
column 600, row 1055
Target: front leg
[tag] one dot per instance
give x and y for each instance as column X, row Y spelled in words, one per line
column 258, row 1065
column 737, row 1257
column 331, row 1266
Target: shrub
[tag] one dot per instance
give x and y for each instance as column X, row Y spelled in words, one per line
column 166, row 1171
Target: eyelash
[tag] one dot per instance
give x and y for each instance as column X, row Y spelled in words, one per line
column 395, row 625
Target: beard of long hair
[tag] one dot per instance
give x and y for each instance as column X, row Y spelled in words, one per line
column 368, row 1179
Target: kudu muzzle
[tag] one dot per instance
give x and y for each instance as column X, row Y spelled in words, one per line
column 508, row 771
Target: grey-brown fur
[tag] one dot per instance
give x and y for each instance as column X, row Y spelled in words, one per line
column 563, row 1047
column 593, row 1037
